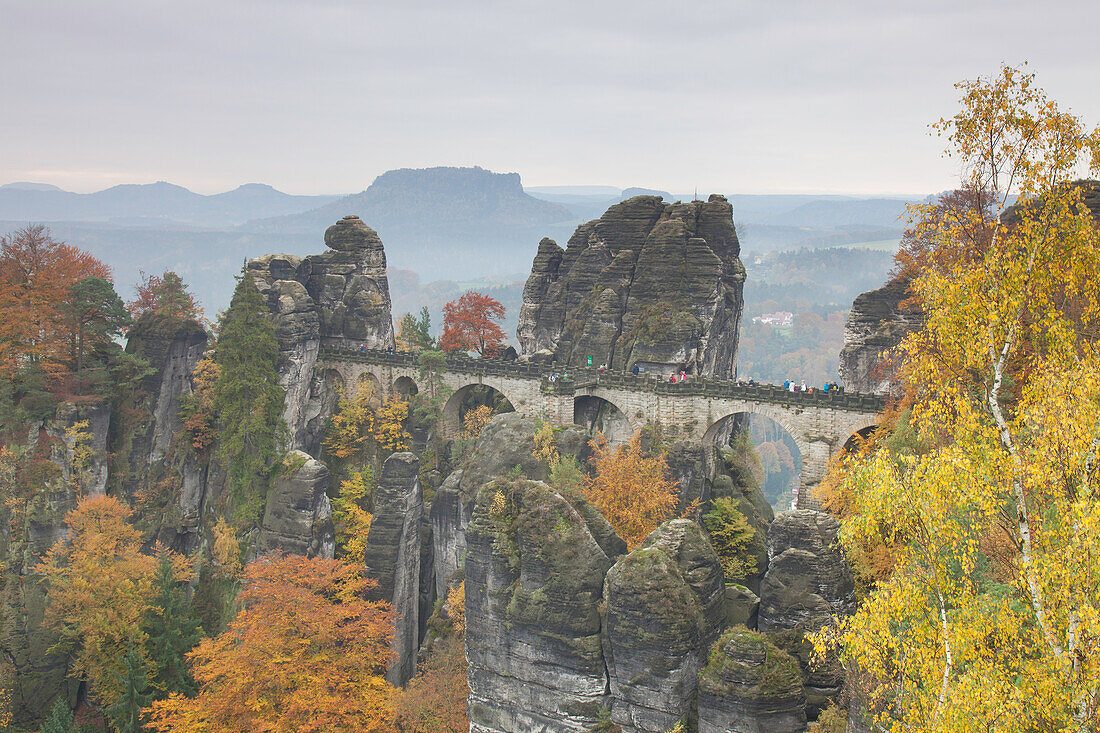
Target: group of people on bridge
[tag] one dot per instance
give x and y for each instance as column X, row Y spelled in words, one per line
column 791, row 386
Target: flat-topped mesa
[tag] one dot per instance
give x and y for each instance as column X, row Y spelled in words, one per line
column 648, row 283
column 340, row 297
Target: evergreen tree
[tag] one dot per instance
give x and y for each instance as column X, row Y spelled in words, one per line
column 96, row 315
column 173, row 629
column 248, row 398
column 125, row 712
column 60, row 719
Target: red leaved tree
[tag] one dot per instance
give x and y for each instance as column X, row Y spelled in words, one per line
column 166, row 295
column 471, row 324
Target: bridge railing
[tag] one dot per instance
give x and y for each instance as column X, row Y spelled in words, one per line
column 583, row 378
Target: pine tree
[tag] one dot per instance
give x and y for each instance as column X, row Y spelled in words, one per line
column 133, row 680
column 173, row 630
column 60, row 719
column 248, row 398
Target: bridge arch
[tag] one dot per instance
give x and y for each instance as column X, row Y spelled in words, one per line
column 599, row 414
column 780, row 449
column 405, row 387
column 469, row 396
column 858, row 434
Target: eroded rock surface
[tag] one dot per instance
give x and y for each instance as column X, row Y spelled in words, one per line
column 340, row 297
column 534, row 582
column 651, row 283
column 808, row 579
column 665, row 607
column 877, row 323
column 750, row 686
column 392, row 555
column 505, row 445
column 298, row 518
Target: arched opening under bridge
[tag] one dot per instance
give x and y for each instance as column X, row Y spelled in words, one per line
column 405, row 387
column 469, row 398
column 759, row 449
column 597, row 415
column 856, row 439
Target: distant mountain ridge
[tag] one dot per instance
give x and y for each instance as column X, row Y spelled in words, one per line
column 422, row 199
column 130, row 204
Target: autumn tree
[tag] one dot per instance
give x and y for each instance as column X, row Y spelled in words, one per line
column 305, row 653
column 732, row 537
column 414, row 334
column 197, row 409
column 428, row 403
column 989, row 615
column 631, row 489
column 364, row 434
column 248, row 398
column 471, row 323
column 166, row 296
column 351, row 515
column 100, row 587
column 36, row 276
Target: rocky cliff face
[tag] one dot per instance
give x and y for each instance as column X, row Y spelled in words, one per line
column 340, row 297
column 648, row 283
column 534, row 583
column 750, row 686
column 505, row 444
column 663, row 611
column 393, row 555
column 876, row 324
column 298, row 517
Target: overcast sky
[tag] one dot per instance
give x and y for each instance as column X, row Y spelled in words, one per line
column 321, row 96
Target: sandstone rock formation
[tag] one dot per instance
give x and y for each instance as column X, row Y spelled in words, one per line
column 392, row 556
column 298, row 518
column 648, row 283
column 750, row 686
column 664, row 609
column 534, row 582
column 173, row 350
column 877, row 323
column 705, row 472
column 808, row 583
column 504, row 445
column 808, row 580
column 340, row 298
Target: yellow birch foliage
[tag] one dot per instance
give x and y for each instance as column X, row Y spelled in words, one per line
column 350, row 517
column 389, row 426
column 631, row 489
column 227, row 550
column 357, row 426
column 970, row 632
column 475, row 421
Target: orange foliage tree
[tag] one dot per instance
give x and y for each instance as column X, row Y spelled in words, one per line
column 306, row 653
column 471, row 324
column 631, row 489
column 36, row 275
column 100, row 585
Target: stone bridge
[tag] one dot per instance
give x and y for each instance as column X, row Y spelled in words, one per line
column 619, row 404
